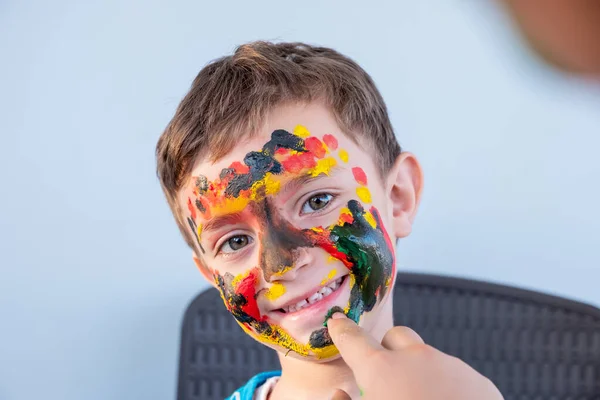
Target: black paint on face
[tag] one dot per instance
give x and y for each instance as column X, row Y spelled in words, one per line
column 261, row 162
column 194, row 228
column 320, row 338
column 279, row 241
column 367, row 249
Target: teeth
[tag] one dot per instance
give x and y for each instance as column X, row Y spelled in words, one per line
column 335, row 284
column 323, row 292
column 326, row 291
column 315, row 297
column 301, row 304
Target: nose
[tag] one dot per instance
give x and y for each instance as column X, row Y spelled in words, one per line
column 284, row 248
column 301, row 259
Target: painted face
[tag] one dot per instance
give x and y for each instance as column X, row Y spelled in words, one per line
column 305, row 257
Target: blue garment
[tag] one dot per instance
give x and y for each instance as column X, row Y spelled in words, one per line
column 246, row 392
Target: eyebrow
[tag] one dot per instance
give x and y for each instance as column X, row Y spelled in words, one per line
column 295, row 183
column 221, row 221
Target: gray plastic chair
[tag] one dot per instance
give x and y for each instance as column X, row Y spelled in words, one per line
column 531, row 345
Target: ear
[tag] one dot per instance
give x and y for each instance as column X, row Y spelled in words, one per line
column 404, row 186
column 204, row 270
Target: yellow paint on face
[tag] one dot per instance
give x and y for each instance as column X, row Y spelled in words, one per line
column 271, row 186
column 323, row 166
column 199, row 231
column 352, row 281
column 236, row 280
column 351, row 284
column 326, row 352
column 300, row 130
column 230, row 205
column 275, row 291
column 268, row 186
column 331, row 259
column 281, row 338
column 370, row 219
column 330, row 275
column 363, row 194
column 343, row 155
column 283, row 271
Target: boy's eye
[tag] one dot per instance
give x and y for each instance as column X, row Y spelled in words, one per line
column 316, row 203
column 235, row 243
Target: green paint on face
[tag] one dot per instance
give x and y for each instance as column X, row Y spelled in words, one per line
column 369, row 251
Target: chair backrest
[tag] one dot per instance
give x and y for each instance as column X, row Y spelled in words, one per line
column 531, row 345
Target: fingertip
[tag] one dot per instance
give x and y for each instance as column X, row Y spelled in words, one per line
column 400, row 337
column 339, row 315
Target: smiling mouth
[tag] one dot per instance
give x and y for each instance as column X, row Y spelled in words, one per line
column 316, row 297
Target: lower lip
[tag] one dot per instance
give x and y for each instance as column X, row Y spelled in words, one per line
column 317, row 309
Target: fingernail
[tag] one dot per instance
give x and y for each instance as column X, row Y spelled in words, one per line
column 338, row 315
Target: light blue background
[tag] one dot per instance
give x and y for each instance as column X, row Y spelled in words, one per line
column 94, row 275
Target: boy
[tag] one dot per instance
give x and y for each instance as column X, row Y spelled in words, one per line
column 285, row 177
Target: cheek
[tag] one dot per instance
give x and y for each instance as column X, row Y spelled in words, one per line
column 239, row 295
column 366, row 246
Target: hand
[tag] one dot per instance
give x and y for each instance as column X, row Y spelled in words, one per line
column 403, row 367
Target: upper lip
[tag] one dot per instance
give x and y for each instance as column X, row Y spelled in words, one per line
column 297, row 299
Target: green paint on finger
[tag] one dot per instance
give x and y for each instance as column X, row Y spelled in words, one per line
column 332, row 311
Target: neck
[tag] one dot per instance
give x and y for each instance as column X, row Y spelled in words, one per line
column 325, row 377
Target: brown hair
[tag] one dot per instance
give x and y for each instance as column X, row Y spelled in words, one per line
column 230, row 97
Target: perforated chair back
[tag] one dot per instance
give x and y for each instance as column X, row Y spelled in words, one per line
column 531, row 345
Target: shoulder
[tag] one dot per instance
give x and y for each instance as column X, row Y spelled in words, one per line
column 247, row 391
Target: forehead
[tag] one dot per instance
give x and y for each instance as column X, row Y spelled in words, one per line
column 315, row 117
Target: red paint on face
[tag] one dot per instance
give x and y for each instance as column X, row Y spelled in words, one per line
column 346, row 218
column 323, row 240
column 388, row 241
column 330, row 141
column 359, row 175
column 315, row 146
column 297, row 162
column 247, row 288
column 239, row 168
column 192, row 209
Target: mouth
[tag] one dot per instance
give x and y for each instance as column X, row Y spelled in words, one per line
column 315, row 298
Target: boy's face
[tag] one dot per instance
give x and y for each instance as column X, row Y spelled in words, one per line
column 291, row 226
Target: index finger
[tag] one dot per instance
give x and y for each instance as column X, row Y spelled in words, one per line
column 353, row 342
